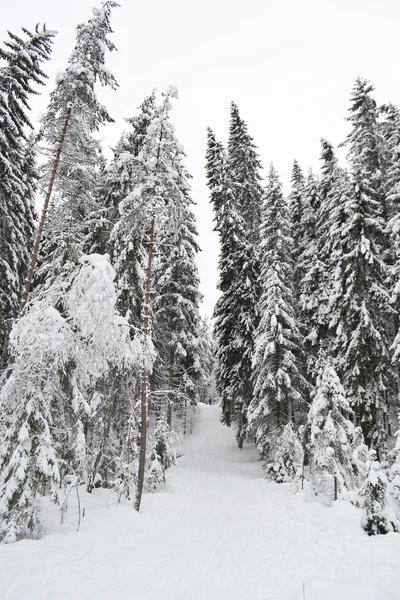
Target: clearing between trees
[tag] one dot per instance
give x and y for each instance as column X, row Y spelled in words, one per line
column 218, row 530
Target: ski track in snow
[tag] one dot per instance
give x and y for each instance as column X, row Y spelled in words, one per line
column 217, row 531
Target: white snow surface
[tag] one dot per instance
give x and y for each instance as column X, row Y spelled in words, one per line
column 217, row 531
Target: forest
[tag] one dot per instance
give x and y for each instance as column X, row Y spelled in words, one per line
column 104, row 354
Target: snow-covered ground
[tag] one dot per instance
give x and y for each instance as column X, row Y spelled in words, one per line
column 218, row 531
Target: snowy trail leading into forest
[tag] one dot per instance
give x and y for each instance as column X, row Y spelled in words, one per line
column 218, row 531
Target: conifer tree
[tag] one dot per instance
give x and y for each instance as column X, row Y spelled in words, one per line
column 365, row 141
column 360, row 304
column 22, row 69
column 73, row 116
column 277, row 381
column 330, row 433
column 235, row 312
column 176, row 289
column 207, row 385
column 176, row 310
column 216, row 175
column 314, row 284
column 244, row 170
column 295, row 202
column 118, row 227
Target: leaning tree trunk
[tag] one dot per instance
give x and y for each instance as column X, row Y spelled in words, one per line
column 144, row 378
column 44, row 211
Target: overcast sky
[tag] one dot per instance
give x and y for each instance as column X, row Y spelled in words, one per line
column 289, row 65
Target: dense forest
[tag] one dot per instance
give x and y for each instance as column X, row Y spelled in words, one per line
column 103, row 352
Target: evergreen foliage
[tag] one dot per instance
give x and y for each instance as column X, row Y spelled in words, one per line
column 235, row 312
column 74, row 99
column 277, row 380
column 331, row 434
column 244, row 170
column 21, row 71
column 360, row 306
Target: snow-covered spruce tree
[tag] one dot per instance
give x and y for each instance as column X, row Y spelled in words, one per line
column 22, row 67
column 176, row 291
column 216, row 175
column 331, row 433
column 119, row 227
column 176, row 315
column 330, row 172
column 207, row 385
column 314, row 286
column 277, row 381
column 55, row 404
column 365, row 142
column 72, row 118
column 295, row 203
column 374, row 491
column 157, row 198
column 359, row 305
column 235, row 312
column 244, row 171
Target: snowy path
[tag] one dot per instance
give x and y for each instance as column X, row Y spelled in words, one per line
column 218, row 531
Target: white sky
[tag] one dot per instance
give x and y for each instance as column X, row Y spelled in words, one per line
column 288, row 64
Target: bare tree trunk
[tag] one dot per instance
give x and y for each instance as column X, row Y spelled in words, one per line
column 143, row 386
column 44, row 212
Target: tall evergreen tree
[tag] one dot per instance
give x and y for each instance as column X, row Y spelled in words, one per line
column 118, row 227
column 314, row 282
column 360, row 305
column 235, row 312
column 75, row 109
column 216, row 175
column 244, row 169
column 176, row 288
column 295, row 202
column 367, row 147
column 22, row 68
column 360, row 300
column 275, row 369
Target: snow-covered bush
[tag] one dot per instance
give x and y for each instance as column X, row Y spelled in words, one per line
column 288, row 458
column 374, row 491
column 164, row 444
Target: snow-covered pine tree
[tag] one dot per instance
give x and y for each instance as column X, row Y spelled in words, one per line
column 21, row 68
column 55, row 405
column 359, row 303
column 277, row 381
column 331, row 433
column 235, row 312
column 72, row 118
column 244, row 171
